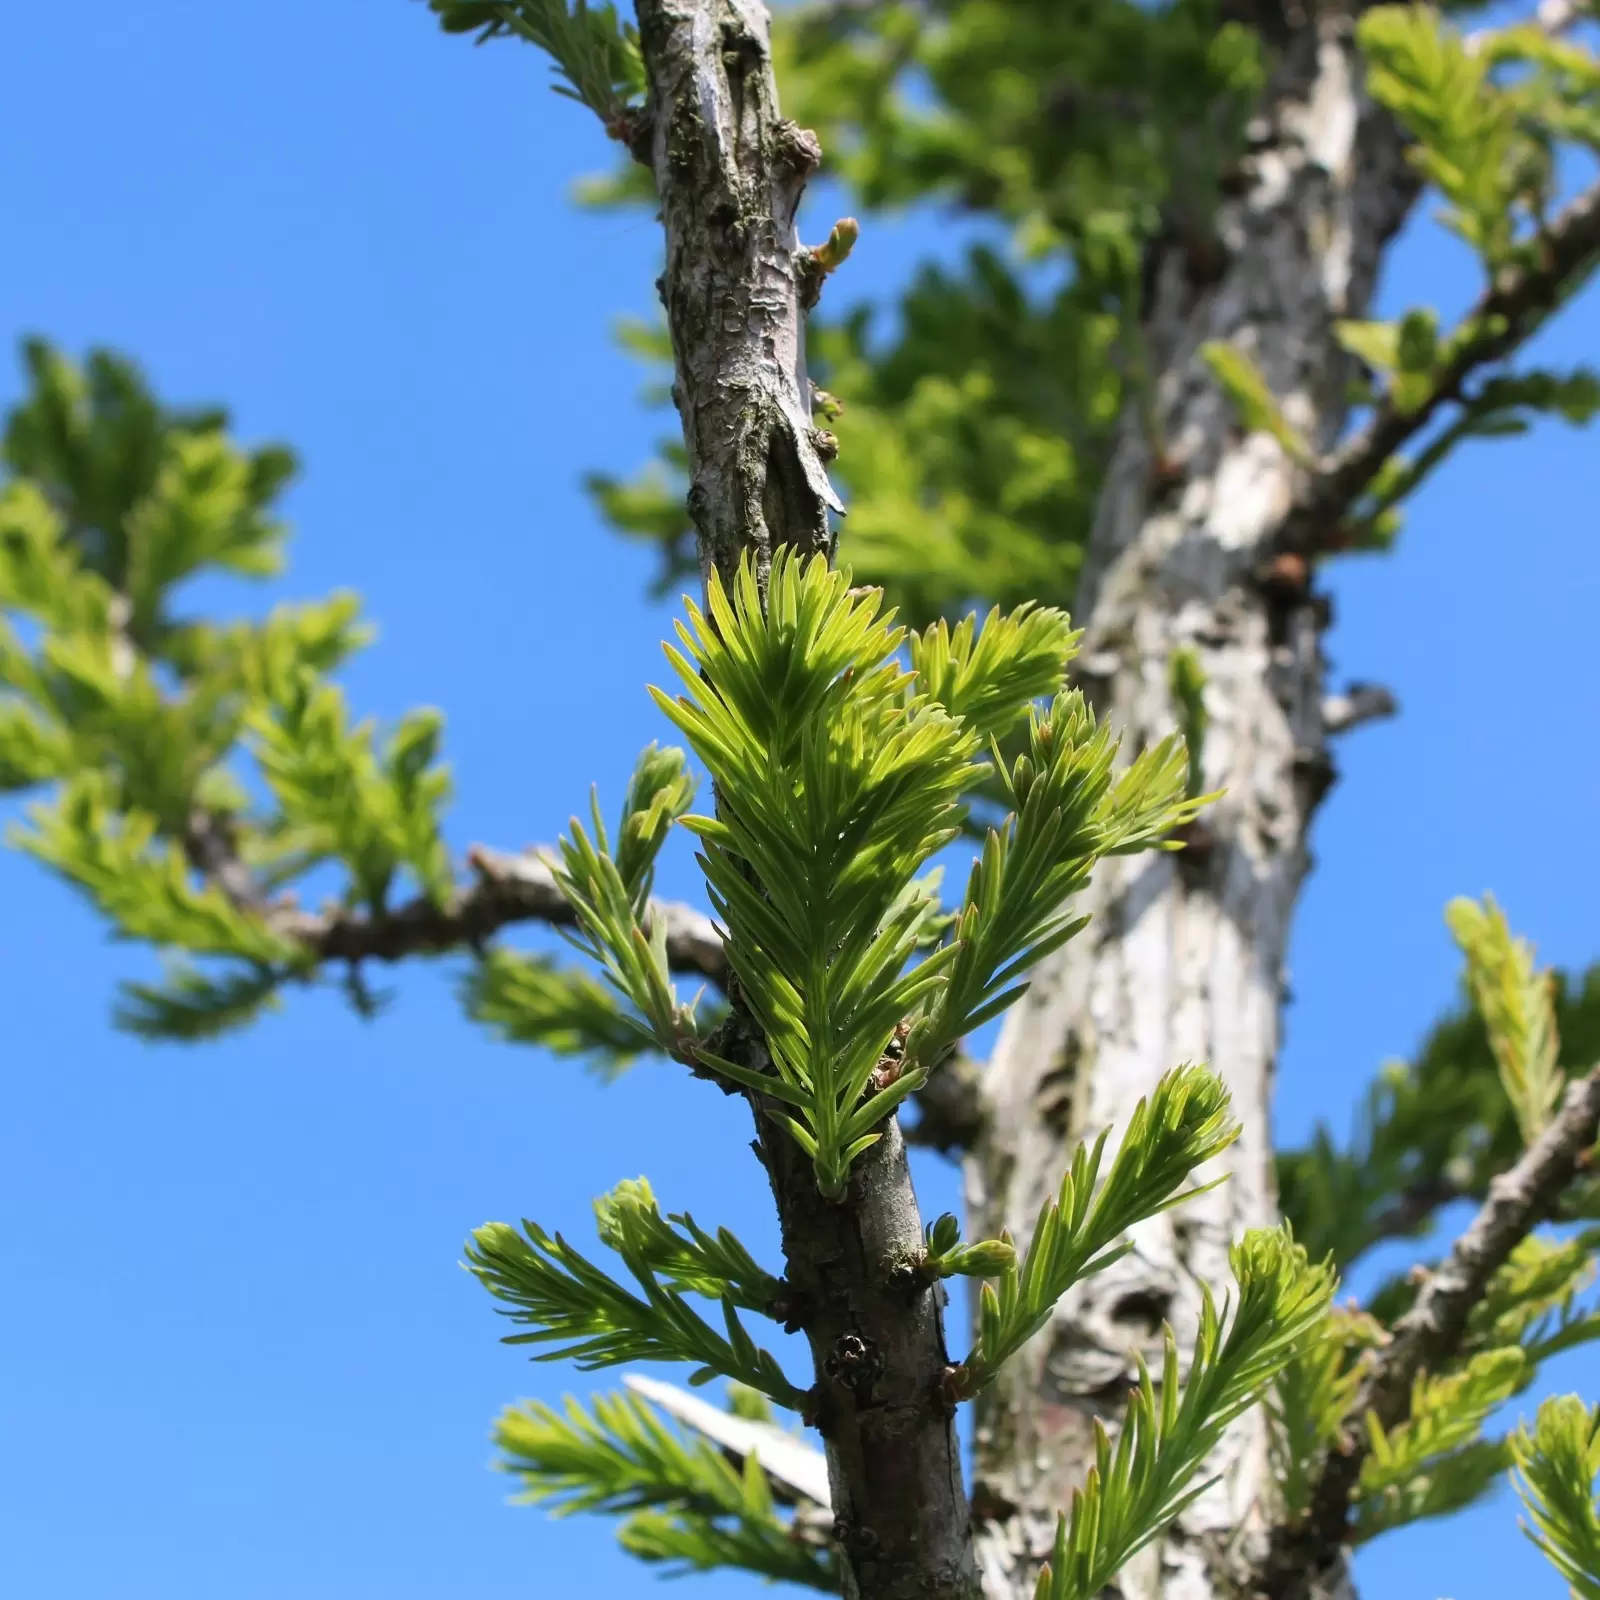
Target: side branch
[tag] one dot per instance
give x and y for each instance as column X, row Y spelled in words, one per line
column 1514, row 307
column 1430, row 1332
column 509, row 889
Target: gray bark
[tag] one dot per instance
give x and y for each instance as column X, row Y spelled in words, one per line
column 729, row 172
column 1184, row 958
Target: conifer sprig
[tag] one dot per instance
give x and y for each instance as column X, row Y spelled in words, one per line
column 592, row 50
column 682, row 1500
column 1183, row 1124
column 838, row 775
column 582, row 1313
column 1557, row 1460
column 1516, row 1003
column 837, row 780
column 1142, row 1481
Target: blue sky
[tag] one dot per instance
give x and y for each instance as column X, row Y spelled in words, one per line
column 240, row 1359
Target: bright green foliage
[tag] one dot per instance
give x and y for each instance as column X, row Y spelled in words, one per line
column 1531, row 1302
column 1434, row 1461
column 1183, row 1124
column 948, row 1257
column 147, row 495
column 839, row 774
column 202, row 768
column 1490, row 118
column 1186, row 681
column 1515, row 1003
column 595, row 52
column 682, row 1500
column 584, row 1314
column 1427, row 1133
column 1259, row 411
column 192, row 1005
column 1469, row 145
column 341, row 800
column 1493, row 121
column 988, row 678
column 1310, row 1403
column 531, row 1000
column 611, row 896
column 847, row 753
column 1556, row 1465
column 838, row 779
column 1141, row 1482
column 690, row 1260
column 145, row 889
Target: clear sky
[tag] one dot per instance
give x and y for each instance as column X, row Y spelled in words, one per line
column 239, row 1359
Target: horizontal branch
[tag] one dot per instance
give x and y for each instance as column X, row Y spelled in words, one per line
column 521, row 888
column 1430, row 1333
column 1361, row 702
column 1411, row 1208
column 509, row 889
column 1505, row 317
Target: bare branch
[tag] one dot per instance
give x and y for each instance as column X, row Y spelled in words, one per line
column 1426, row 1337
column 1361, row 702
column 509, row 889
column 1514, row 308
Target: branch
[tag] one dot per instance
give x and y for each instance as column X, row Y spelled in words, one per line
column 730, row 172
column 1412, row 1207
column 1361, row 702
column 1506, row 316
column 510, row 889
column 1426, row 1337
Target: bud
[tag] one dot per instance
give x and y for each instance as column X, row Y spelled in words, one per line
column 988, row 1258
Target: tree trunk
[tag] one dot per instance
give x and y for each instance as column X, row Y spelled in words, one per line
column 1184, row 959
column 730, row 174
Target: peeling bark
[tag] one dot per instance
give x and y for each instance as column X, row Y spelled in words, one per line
column 1184, row 959
column 730, row 173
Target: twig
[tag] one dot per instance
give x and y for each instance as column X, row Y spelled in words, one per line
column 1430, row 1332
column 1411, row 1208
column 1361, row 702
column 1506, row 316
column 510, row 889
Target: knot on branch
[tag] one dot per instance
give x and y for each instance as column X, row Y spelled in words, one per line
column 855, row 1362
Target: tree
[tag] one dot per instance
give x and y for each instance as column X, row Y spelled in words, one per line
column 1215, row 339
